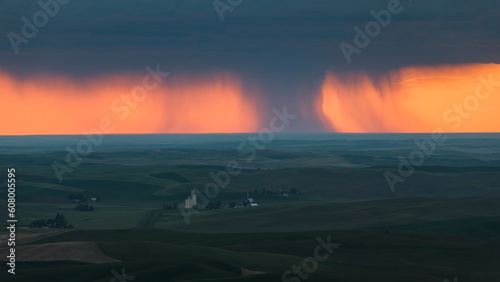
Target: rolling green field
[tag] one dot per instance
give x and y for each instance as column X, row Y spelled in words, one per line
column 151, row 254
column 442, row 222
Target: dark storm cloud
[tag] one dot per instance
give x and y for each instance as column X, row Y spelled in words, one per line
column 128, row 32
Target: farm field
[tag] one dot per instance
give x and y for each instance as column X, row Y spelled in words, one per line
column 439, row 223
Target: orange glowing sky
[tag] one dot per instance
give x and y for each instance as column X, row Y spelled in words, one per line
column 452, row 98
column 61, row 105
column 413, row 99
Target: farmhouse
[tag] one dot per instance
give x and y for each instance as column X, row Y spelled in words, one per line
column 249, row 202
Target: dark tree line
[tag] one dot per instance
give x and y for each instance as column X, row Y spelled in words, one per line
column 214, row 205
column 293, row 191
column 170, row 207
column 84, row 207
column 210, row 206
column 58, row 222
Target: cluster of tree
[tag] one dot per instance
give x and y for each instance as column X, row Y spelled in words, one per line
column 269, row 192
column 214, row 205
column 84, row 207
column 58, row 222
column 210, row 206
column 293, row 191
column 170, row 207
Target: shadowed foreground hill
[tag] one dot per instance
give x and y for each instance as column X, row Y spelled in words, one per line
column 161, row 255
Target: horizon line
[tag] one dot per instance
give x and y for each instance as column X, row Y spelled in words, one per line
column 241, row 133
